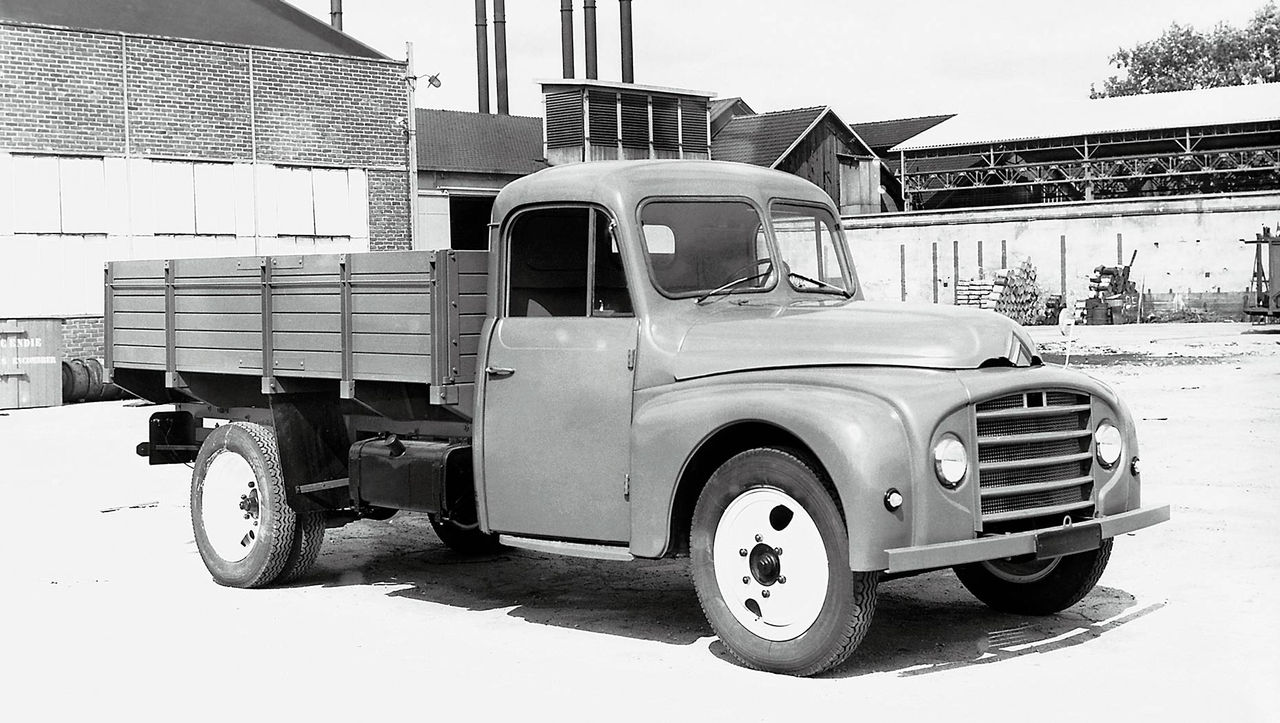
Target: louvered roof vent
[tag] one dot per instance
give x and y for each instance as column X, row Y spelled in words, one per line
column 595, row 120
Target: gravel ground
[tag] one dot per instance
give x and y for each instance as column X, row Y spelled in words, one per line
column 109, row 611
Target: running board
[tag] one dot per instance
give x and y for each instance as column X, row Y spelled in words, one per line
column 569, row 549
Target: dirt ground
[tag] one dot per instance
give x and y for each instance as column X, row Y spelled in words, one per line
column 109, row 612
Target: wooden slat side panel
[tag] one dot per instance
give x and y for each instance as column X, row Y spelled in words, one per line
column 413, row 345
column 218, row 322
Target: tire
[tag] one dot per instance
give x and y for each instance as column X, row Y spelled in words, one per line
column 758, row 502
column 462, row 540
column 1035, row 587
column 244, row 527
column 308, row 537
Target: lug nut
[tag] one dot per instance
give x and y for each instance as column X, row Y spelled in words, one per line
column 777, row 550
column 246, row 515
column 782, row 580
column 764, row 593
column 745, row 579
column 759, row 538
column 743, row 552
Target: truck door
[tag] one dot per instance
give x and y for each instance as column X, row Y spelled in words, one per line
column 557, row 398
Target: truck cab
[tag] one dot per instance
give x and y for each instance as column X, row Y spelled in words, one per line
column 675, row 359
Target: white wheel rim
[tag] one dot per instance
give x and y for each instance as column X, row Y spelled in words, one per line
column 779, row 601
column 229, row 488
column 1022, row 572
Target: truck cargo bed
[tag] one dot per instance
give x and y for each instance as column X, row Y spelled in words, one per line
column 408, row 317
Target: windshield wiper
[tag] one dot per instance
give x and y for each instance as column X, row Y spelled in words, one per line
column 822, row 285
column 725, row 288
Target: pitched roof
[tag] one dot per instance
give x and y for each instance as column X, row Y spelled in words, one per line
column 722, row 105
column 885, row 134
column 265, row 23
column 1149, row 111
column 763, row 139
column 451, row 140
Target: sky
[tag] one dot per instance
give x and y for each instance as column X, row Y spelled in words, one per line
column 868, row 61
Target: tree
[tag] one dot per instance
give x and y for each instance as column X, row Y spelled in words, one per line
column 1184, row 58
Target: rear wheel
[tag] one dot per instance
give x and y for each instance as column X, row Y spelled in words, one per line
column 1035, row 587
column 769, row 557
column 305, row 550
column 244, row 527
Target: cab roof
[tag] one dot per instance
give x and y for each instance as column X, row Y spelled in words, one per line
column 624, row 184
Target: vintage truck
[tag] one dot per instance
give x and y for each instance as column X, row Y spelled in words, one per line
column 653, row 359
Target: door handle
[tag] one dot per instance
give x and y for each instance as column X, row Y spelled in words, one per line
column 499, row 372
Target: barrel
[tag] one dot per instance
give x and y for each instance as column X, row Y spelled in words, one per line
column 68, row 382
column 94, row 368
column 79, row 380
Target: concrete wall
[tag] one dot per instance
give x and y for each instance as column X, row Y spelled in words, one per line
column 1184, row 245
column 124, row 146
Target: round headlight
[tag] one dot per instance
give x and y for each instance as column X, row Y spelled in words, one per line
column 950, row 461
column 1108, row 444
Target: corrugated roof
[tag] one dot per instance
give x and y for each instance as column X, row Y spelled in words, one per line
column 450, row 140
column 265, row 23
column 1151, row 111
column 761, row 140
column 885, row 134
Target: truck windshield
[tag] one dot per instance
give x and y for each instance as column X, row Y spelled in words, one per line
column 810, row 248
column 694, row 247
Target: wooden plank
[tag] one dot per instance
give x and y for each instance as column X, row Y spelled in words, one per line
column 391, row 367
column 286, row 341
column 411, row 344
column 470, row 323
column 230, row 340
column 139, row 337
column 218, row 361
column 231, row 268
column 151, row 303
column 295, row 265
column 472, row 262
column 205, row 304
column 472, row 304
column 470, row 284
column 138, row 356
column 391, row 323
column 391, row 304
column 313, row 323
column 218, row 322
column 307, row 364
column 137, row 270
column 138, row 320
column 391, row 262
column 466, row 368
column 468, row 344
column 306, row 303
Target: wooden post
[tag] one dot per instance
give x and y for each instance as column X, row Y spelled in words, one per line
column 935, row 272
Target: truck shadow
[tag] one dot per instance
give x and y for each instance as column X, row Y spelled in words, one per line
column 925, row 624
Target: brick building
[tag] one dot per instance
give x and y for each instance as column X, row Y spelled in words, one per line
column 167, row 129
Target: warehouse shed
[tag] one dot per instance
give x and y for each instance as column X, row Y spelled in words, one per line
column 464, row 159
column 1180, row 179
column 812, row 143
column 157, row 129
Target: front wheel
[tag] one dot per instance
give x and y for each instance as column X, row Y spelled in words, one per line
column 1035, row 587
column 769, row 558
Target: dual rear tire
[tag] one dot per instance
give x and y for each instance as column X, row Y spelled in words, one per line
column 245, row 530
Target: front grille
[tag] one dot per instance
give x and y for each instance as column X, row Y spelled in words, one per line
column 1034, row 458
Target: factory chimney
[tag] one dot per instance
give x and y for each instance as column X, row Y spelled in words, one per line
column 335, row 14
column 566, row 36
column 589, row 18
column 628, row 53
column 482, row 56
column 500, row 53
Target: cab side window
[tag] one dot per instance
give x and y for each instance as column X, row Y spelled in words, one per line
column 565, row 262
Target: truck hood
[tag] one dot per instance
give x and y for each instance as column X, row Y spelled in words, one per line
column 742, row 338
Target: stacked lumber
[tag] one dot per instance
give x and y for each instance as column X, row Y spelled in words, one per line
column 972, row 292
column 1013, row 292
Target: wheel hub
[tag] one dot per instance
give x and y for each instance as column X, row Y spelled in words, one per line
column 766, row 567
column 229, row 506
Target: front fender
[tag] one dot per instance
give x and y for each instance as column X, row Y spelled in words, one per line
column 859, row 439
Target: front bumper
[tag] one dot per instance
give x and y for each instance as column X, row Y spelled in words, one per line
column 995, row 547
